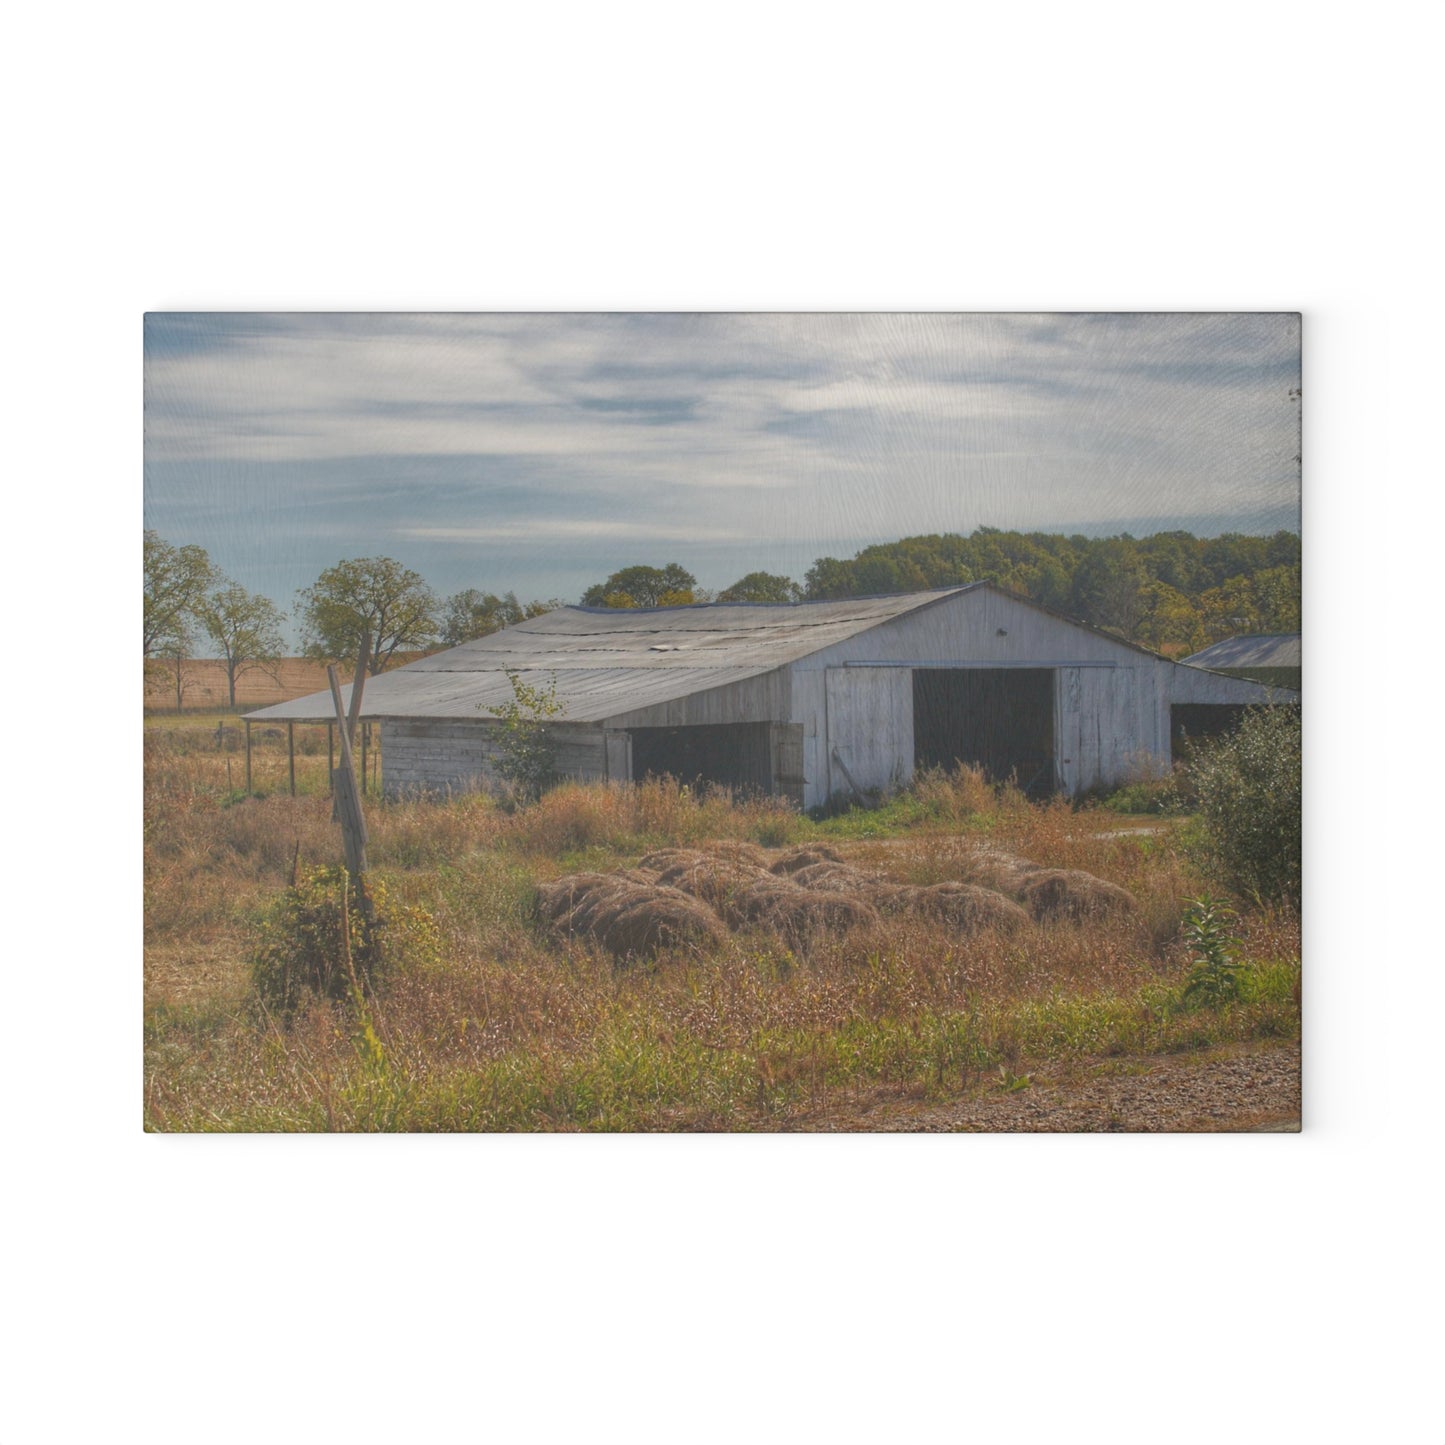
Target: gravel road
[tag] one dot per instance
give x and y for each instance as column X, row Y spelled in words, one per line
column 1238, row 1090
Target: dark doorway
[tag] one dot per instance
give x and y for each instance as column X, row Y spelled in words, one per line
column 1194, row 722
column 1000, row 719
column 731, row 755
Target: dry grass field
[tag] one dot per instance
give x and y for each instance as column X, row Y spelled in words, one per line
column 648, row 958
column 203, row 684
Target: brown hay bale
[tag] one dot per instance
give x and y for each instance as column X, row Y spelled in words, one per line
column 795, row 912
column 964, row 906
column 640, row 922
column 736, row 851
column 597, row 902
column 663, row 858
column 644, row 876
column 711, row 880
column 889, row 897
column 829, row 877
column 807, row 912
column 1002, row 872
column 803, row 857
column 1055, row 893
column 556, row 899
column 755, row 903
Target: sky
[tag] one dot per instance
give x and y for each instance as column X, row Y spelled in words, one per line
column 538, row 453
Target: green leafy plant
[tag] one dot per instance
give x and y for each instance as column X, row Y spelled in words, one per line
column 1250, row 804
column 336, row 937
column 527, row 757
column 1216, row 970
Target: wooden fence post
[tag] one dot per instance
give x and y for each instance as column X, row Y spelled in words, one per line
column 343, row 782
column 248, row 757
column 291, row 752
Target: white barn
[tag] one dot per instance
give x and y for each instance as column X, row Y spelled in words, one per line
column 807, row 700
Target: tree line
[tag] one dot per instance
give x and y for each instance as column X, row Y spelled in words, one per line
column 1172, row 591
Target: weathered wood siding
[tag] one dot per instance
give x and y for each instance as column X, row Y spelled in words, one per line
column 441, row 755
column 869, row 726
column 754, row 700
column 1111, row 700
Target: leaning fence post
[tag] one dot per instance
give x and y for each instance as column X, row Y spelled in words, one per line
column 347, row 799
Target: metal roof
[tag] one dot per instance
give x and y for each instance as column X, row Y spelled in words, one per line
column 609, row 661
column 1272, row 649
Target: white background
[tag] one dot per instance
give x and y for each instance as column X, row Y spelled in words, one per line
column 1258, row 1289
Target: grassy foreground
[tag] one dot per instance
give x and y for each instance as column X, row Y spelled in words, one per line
column 508, row 1029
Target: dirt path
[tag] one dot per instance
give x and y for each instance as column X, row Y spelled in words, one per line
column 1237, row 1090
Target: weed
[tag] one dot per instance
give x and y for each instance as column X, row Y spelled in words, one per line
column 335, row 937
column 1216, row 971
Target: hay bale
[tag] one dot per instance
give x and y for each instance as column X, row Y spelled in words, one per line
column 829, row 877
column 641, row 921
column 711, row 880
column 755, row 904
column 736, row 851
column 807, row 912
column 1002, row 872
column 557, row 899
column 661, row 859
column 1069, row 893
column 596, row 902
column 803, row 857
column 963, row 906
column 794, row 912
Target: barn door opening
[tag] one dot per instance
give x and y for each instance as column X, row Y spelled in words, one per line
column 730, row 755
column 1196, row 722
column 1000, row 719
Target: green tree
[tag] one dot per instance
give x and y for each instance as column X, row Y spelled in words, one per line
column 1170, row 622
column 1277, row 592
column 391, row 602
column 1108, row 586
column 762, row 587
column 176, row 580
column 828, row 578
column 245, row 627
column 645, row 586
column 1230, row 610
column 472, row 614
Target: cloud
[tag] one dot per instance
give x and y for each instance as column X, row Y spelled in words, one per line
column 474, row 436
column 542, row 529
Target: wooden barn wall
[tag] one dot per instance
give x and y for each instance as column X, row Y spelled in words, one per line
column 448, row 755
column 1111, row 701
column 754, row 700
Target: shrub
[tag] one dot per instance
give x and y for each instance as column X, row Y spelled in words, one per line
column 1173, row 794
column 1248, row 784
column 313, row 947
column 528, row 753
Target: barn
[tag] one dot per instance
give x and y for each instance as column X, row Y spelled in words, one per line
column 808, row 701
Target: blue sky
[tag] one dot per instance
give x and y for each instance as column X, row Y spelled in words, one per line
column 538, row 453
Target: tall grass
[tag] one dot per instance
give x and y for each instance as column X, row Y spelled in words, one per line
column 509, row 1029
